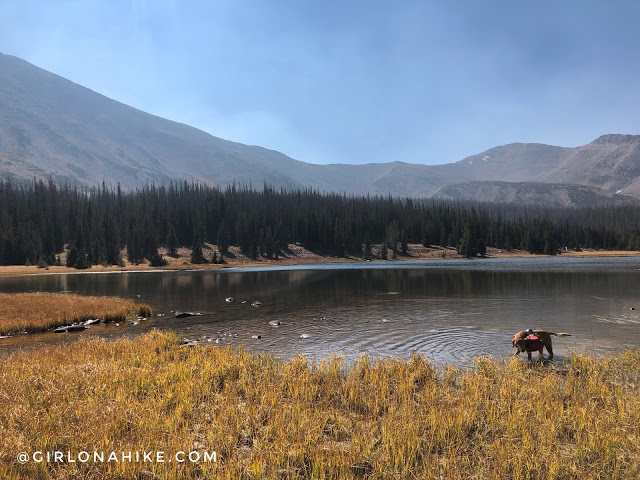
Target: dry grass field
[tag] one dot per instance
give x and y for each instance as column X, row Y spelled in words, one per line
column 37, row 312
column 391, row 419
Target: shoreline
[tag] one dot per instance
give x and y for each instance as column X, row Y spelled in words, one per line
column 296, row 255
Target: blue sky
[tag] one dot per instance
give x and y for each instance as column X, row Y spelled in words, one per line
column 351, row 81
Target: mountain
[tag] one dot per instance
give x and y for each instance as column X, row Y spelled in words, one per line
column 53, row 128
column 531, row 193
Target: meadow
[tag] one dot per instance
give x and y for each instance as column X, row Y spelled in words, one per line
column 38, row 312
column 302, row 419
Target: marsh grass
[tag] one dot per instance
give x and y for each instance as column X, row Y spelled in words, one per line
column 392, row 419
column 37, row 312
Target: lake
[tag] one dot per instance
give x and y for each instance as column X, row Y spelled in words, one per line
column 449, row 310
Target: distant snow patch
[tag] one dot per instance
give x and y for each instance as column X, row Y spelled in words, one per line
column 470, row 162
column 486, row 158
column 619, row 191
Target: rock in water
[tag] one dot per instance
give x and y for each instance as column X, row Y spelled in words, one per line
column 228, row 299
column 256, row 304
column 187, row 314
column 70, row 328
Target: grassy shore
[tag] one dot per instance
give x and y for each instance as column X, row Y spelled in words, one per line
column 269, row 419
column 293, row 255
column 38, row 312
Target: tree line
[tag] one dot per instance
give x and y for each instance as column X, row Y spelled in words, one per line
column 40, row 219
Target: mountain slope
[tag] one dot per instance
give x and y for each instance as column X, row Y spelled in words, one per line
column 531, row 193
column 53, row 128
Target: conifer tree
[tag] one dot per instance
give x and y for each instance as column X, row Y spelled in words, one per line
column 172, row 241
column 197, row 257
column 223, row 237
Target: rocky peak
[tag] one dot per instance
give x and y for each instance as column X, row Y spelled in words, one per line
column 616, row 139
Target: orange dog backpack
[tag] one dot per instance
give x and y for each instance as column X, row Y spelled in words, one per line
column 532, row 343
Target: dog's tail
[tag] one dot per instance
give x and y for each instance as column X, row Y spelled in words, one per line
column 560, row 334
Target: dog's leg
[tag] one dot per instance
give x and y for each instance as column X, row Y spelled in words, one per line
column 541, row 357
column 529, row 355
column 550, row 350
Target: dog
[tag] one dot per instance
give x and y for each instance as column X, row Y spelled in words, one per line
column 531, row 340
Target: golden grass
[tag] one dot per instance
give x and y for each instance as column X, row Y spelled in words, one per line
column 391, row 419
column 37, row 312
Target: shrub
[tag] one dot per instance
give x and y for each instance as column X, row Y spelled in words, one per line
column 158, row 261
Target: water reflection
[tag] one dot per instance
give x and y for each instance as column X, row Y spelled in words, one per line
column 448, row 311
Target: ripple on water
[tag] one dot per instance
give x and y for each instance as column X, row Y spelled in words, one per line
column 449, row 311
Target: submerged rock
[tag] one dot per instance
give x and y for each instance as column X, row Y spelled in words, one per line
column 187, row 314
column 70, row 329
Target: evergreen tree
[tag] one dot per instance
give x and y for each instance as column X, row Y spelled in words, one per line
column 197, row 257
column 172, row 241
column 404, row 247
column 72, row 257
column 471, row 244
column 82, row 262
column 223, row 237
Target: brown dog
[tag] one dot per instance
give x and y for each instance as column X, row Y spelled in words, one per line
column 523, row 344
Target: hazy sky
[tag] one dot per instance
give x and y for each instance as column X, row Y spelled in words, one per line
column 351, row 81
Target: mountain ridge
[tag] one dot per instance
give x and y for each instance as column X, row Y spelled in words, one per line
column 51, row 127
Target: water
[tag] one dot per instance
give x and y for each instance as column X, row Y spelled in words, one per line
column 448, row 310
